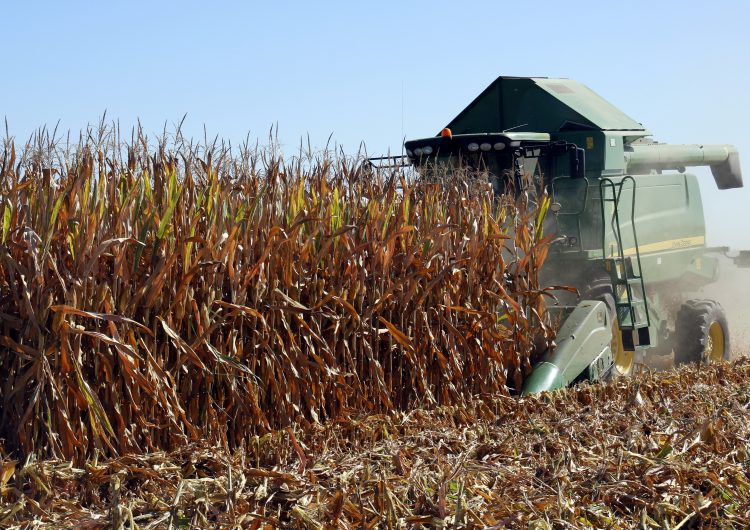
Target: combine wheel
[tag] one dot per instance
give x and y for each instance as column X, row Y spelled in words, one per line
column 623, row 359
column 702, row 333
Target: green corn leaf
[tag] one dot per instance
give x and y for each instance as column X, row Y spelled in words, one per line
column 387, row 219
column 665, row 450
column 165, row 221
column 167, row 216
column 56, row 211
column 172, row 184
column 541, row 214
column 6, row 222
column 240, row 214
column 53, row 220
column 94, row 403
column 147, row 185
column 142, row 239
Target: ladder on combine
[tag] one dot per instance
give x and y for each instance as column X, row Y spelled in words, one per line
column 627, row 282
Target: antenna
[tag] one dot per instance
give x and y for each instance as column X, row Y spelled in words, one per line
column 515, row 127
column 402, row 116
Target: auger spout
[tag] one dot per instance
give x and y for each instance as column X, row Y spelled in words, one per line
column 724, row 160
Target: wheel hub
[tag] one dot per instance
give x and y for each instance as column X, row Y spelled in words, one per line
column 714, row 350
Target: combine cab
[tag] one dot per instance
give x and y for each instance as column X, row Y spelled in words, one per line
column 629, row 219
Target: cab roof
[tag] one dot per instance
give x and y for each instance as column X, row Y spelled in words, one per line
column 541, row 104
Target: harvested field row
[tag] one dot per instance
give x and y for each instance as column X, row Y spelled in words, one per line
column 662, row 450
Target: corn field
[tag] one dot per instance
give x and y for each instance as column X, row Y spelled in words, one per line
column 155, row 294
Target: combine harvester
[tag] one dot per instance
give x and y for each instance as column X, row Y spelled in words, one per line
column 629, row 221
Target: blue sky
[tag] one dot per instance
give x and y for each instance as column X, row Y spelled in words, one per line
column 377, row 72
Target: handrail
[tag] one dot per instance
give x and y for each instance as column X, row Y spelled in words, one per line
column 617, row 232
column 376, row 162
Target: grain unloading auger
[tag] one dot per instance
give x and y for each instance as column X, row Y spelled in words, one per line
column 629, row 220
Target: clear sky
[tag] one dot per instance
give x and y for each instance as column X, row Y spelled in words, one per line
column 377, row 72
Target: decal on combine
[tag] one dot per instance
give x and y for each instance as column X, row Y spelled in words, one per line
column 670, row 244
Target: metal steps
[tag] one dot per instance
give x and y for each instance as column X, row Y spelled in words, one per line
column 625, row 273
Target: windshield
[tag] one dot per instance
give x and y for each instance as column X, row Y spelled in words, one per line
column 506, row 172
column 510, row 164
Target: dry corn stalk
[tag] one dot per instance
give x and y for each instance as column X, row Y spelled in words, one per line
column 153, row 295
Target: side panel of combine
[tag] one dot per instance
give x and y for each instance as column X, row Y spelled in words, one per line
column 669, row 226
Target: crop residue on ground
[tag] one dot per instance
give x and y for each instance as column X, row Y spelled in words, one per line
column 657, row 451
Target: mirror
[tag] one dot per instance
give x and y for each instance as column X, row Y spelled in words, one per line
column 578, row 163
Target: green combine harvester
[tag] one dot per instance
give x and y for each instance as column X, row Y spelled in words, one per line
column 631, row 235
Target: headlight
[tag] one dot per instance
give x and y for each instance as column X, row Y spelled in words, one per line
column 409, row 152
column 499, row 146
column 427, row 150
column 473, row 147
column 485, row 147
column 418, row 151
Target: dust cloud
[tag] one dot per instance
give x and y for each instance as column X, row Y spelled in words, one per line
column 732, row 291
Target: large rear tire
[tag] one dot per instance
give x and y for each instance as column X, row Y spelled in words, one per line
column 702, row 333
